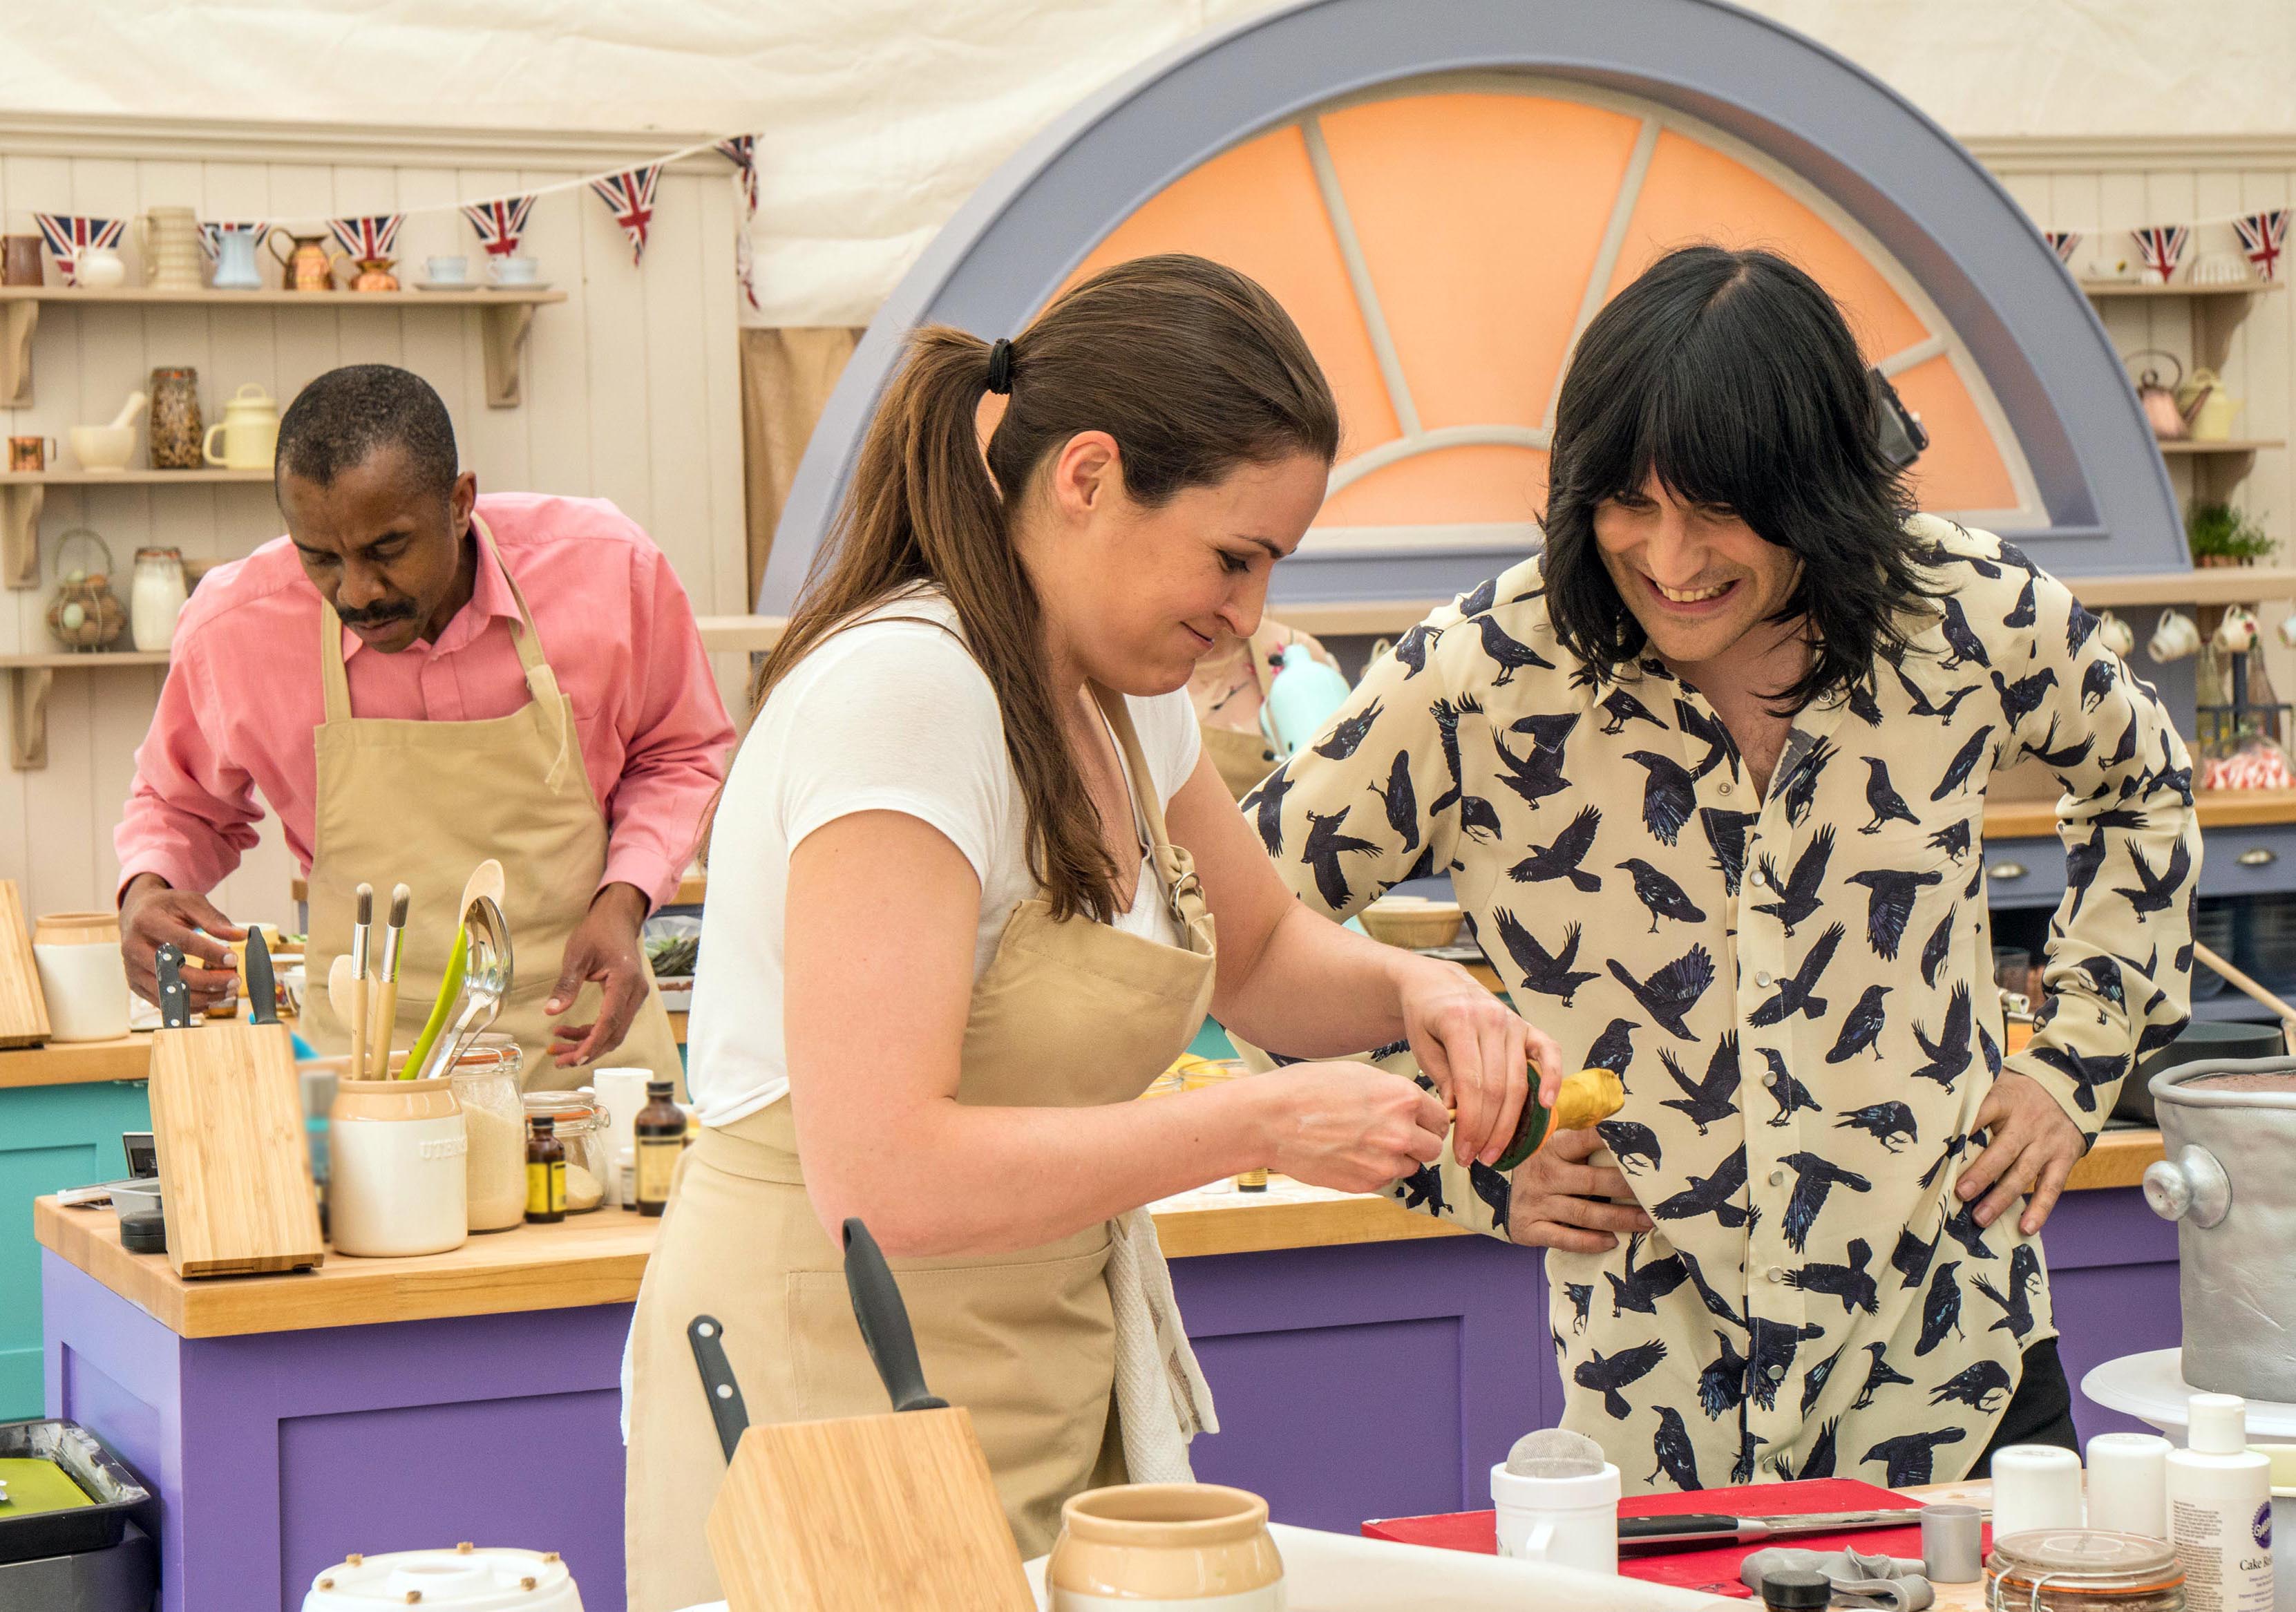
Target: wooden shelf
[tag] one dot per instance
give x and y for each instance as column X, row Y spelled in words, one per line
column 2131, row 288
column 2229, row 445
column 507, row 316
column 2203, row 584
column 23, row 495
column 206, row 476
column 735, row 633
column 31, row 677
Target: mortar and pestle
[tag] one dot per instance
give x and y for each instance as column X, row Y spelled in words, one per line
column 107, row 448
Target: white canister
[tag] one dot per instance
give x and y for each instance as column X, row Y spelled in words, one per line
column 156, row 598
column 621, row 1092
column 474, row 1578
column 2127, row 1484
column 400, row 1181
column 1571, row 1521
column 83, row 977
column 2035, row 1486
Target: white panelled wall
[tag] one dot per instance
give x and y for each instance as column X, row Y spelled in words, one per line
column 631, row 392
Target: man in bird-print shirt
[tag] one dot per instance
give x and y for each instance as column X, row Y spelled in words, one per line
column 1708, row 777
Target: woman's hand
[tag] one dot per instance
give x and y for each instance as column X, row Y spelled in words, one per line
column 1478, row 1050
column 1349, row 1126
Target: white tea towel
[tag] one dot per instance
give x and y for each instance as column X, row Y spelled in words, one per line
column 1161, row 1398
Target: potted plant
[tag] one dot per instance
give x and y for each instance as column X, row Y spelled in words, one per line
column 2220, row 535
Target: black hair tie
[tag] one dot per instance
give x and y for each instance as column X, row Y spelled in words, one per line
column 1000, row 366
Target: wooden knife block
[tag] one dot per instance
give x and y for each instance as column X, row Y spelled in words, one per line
column 234, row 1165
column 864, row 1514
column 23, row 1009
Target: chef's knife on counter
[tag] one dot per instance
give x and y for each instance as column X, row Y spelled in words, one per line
column 1709, row 1528
column 174, row 995
column 262, row 986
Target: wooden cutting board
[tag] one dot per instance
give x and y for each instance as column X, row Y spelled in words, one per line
column 234, row 1167
column 23, row 1010
column 864, row 1514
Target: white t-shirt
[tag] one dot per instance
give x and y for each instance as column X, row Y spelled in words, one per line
column 888, row 715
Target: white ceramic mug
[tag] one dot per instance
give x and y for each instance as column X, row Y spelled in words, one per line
column 514, row 270
column 2117, row 635
column 86, row 991
column 2176, row 636
column 446, row 271
column 2235, row 635
column 1571, row 1521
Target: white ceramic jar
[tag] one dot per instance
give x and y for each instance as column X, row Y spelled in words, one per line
column 82, row 975
column 1164, row 1548
column 474, row 1578
column 1571, row 1520
column 156, row 598
column 399, row 1183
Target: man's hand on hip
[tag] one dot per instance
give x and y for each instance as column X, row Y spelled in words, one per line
column 605, row 948
column 2033, row 1147
column 152, row 913
column 1559, row 1199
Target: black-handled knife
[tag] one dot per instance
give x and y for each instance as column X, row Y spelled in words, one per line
column 1747, row 1530
column 262, row 988
column 174, row 995
column 707, row 1334
column 884, row 1321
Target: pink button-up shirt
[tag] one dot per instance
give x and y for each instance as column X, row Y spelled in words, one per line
column 242, row 697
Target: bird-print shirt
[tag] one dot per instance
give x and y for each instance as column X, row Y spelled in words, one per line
column 1796, row 986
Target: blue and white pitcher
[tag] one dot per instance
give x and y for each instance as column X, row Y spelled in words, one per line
column 235, row 268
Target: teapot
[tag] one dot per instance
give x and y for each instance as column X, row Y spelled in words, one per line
column 374, row 273
column 2163, row 404
column 306, row 268
column 99, row 268
column 251, row 431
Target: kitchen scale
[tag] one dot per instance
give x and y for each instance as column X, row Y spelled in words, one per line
column 66, row 1542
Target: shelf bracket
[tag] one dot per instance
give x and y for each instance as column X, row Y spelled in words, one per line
column 16, row 354
column 505, row 329
column 28, row 715
column 20, row 534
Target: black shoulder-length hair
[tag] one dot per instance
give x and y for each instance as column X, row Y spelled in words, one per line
column 1733, row 377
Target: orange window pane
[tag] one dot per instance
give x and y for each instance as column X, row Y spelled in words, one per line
column 1446, row 487
column 1481, row 217
column 1693, row 193
column 1255, row 208
column 1961, row 468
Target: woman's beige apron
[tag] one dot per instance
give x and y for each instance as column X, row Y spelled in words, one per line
column 1244, row 757
column 421, row 803
column 1066, row 1015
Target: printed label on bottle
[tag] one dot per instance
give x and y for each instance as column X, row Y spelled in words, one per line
column 2226, row 1570
column 657, row 1163
column 545, row 1187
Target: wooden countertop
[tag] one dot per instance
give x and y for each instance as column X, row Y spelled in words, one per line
column 2218, row 809
column 598, row 1258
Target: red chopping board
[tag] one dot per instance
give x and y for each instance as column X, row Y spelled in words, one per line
column 1713, row 1571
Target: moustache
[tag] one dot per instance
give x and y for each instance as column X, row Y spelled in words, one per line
column 356, row 619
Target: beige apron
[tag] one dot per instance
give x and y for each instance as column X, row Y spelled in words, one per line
column 1066, row 1015
column 1244, row 759
column 421, row 803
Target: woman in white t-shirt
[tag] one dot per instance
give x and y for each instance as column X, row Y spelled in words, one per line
column 964, row 881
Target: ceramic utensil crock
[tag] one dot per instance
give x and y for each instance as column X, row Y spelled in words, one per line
column 82, row 975
column 1164, row 1548
column 400, row 1184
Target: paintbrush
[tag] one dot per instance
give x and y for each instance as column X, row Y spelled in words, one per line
column 386, row 1007
column 359, row 979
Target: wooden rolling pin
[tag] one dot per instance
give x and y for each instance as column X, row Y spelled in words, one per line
column 2240, row 982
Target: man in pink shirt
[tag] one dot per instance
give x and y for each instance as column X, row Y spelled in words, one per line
column 416, row 678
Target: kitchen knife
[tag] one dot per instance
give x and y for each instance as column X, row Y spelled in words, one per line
column 174, row 995
column 1716, row 1528
column 262, row 988
column 707, row 1334
column 884, row 1321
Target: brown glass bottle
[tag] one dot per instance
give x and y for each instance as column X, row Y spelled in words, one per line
column 661, row 1135
column 545, row 1173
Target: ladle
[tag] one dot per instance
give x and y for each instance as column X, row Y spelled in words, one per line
column 486, row 985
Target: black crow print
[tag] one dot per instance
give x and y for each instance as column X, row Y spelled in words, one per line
column 1814, row 1381
column 1547, row 730
column 1714, row 1195
column 1889, row 1122
column 1707, row 1102
column 1722, row 1384
column 1423, row 1189
column 1749, row 1442
column 1669, row 795
column 2086, row 1073
column 1534, row 776
column 1447, row 716
column 1953, row 1150
column 1676, row 1457
column 1717, row 1306
column 2061, row 759
column 2080, row 627
column 1953, row 840
column 1619, row 707
column 1963, row 763
column 1939, row 946
column 1642, row 1287
column 1911, row 1457
column 1581, row 1296
column 1890, row 896
column 1814, row 1179
column 2104, row 977
column 1802, row 788
column 1410, row 649
column 1401, row 801
column 1790, row 1094
column 1509, row 654
column 1965, row 645
column 1883, row 800
column 1475, row 602
column 2156, row 892
column 1974, row 1386
column 1819, row 1463
column 1548, row 974
column 1348, row 734
column 2017, row 1303
column 1614, row 1050
column 1798, row 897
column 1267, row 811
column 1660, row 895
column 1864, row 706
column 1726, row 832
column 1799, row 994
column 1673, row 991
column 2096, row 683
column 1962, row 1226
column 1861, row 1027
column 1607, row 1374
column 1709, row 731
column 1940, row 1307
column 1635, row 1145
column 2021, row 698
column 1327, row 844
column 2124, row 751
column 1852, row 1284
column 2020, row 614
column 1949, row 1054
column 1910, row 1259
column 1879, row 1374
column 1494, row 1189
column 1564, row 857
column 1921, row 704
column 1775, row 1345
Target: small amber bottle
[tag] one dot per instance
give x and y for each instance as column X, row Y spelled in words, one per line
column 660, row 1137
column 545, row 1173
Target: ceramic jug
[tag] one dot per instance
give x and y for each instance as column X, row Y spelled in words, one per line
column 171, row 249
column 99, row 268
column 306, row 268
column 250, row 428
column 235, row 268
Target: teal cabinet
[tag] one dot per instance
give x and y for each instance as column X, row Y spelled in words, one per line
column 50, row 1137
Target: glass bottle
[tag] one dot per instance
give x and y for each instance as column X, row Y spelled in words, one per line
column 661, row 1130
column 156, row 598
column 545, row 1173
column 581, row 1130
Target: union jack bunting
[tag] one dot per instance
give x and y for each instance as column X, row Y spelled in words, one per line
column 500, row 223
column 742, row 151
column 2262, row 236
column 213, row 230
column 369, row 238
column 68, row 235
column 2064, row 242
column 2162, row 248
column 630, row 197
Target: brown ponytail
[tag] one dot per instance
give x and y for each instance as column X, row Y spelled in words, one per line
column 1192, row 367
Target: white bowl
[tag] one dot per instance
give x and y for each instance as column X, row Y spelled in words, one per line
column 104, row 447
